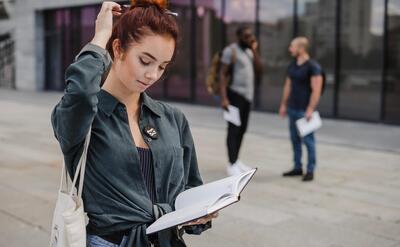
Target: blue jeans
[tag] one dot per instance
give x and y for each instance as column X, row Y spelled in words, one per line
column 296, row 140
column 96, row 241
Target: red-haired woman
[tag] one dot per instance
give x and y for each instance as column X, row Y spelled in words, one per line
column 141, row 153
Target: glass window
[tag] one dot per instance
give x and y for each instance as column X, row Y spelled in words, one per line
column 361, row 59
column 316, row 21
column 66, row 32
column 55, row 25
column 392, row 111
column 88, row 15
column 209, row 41
column 177, row 81
column 238, row 13
column 276, row 32
column 7, row 65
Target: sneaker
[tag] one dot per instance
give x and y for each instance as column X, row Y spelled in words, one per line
column 308, row 177
column 242, row 166
column 233, row 169
column 293, row 173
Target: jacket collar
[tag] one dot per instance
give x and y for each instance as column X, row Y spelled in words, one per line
column 108, row 103
column 151, row 104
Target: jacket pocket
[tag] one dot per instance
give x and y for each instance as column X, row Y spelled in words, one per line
column 177, row 170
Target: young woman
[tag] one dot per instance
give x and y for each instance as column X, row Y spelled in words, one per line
column 141, row 153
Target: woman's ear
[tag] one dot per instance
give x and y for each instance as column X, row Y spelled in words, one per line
column 117, row 50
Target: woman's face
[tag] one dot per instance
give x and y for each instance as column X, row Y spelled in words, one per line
column 144, row 63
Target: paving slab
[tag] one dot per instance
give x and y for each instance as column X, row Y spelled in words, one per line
column 353, row 202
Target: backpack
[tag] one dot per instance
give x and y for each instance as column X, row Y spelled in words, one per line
column 323, row 74
column 213, row 82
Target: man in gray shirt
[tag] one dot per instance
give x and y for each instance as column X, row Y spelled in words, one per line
column 240, row 61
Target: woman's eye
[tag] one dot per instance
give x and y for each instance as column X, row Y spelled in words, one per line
column 144, row 62
column 161, row 68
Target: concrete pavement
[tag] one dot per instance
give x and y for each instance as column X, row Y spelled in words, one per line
column 354, row 201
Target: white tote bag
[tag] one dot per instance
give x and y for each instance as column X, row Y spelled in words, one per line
column 69, row 219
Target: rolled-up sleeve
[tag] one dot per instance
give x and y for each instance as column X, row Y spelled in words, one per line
column 74, row 114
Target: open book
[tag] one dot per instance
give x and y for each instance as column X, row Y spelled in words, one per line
column 200, row 201
column 305, row 127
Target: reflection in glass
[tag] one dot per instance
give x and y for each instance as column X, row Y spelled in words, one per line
column 392, row 107
column 276, row 32
column 317, row 22
column 176, row 84
column 88, row 16
column 239, row 13
column 209, row 27
column 66, row 32
column 361, row 59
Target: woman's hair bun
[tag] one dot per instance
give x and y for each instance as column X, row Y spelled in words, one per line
column 161, row 4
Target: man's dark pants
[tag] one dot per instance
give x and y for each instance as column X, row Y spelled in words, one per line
column 235, row 133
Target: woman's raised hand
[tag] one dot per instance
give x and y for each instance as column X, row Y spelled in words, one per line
column 104, row 23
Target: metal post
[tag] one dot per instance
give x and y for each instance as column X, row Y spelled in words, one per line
column 385, row 63
column 223, row 14
column 193, row 47
column 295, row 19
column 337, row 58
column 257, row 77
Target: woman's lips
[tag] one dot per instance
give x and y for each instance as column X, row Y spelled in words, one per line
column 143, row 84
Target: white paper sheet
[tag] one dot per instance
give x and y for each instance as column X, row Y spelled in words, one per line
column 305, row 127
column 233, row 115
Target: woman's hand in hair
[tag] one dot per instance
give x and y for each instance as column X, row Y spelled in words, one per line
column 104, row 23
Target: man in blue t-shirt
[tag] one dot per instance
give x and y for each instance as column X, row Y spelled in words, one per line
column 300, row 98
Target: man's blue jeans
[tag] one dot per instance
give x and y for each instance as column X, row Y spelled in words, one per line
column 296, row 140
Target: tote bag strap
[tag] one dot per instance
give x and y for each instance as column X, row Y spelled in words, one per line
column 63, row 176
column 80, row 169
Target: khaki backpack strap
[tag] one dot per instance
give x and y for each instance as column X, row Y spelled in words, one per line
column 233, row 57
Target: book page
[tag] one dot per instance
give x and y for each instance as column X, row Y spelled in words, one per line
column 177, row 217
column 222, row 203
column 243, row 181
column 206, row 194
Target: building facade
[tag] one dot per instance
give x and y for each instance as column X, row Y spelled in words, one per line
column 356, row 41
